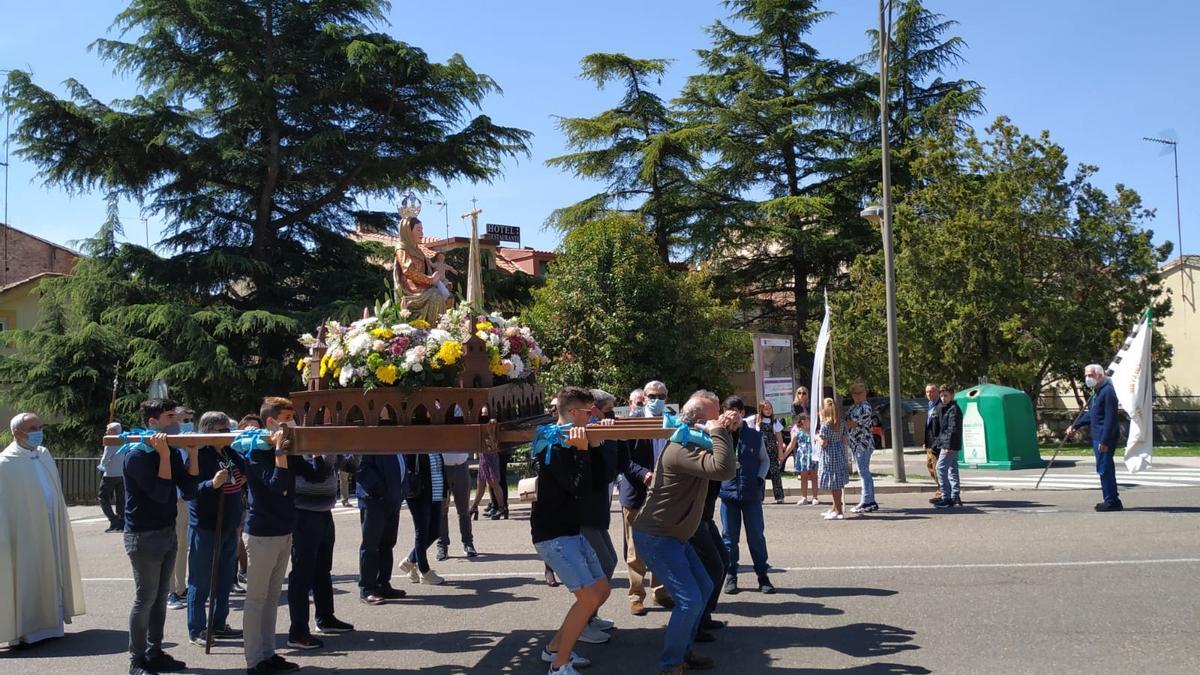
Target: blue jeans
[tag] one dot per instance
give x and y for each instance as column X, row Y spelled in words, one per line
column 947, row 470
column 677, row 566
column 573, row 560
column 735, row 513
column 862, row 459
column 1108, row 473
column 200, row 556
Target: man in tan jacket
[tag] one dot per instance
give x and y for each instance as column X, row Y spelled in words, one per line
column 671, row 514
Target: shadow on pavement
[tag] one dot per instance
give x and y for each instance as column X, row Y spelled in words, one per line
column 754, row 609
column 89, row 642
column 1164, row 509
column 836, row 592
column 482, row 593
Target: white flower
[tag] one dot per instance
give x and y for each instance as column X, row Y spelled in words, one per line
column 360, row 344
column 518, row 368
column 308, row 341
column 346, row 377
column 378, row 346
column 404, row 313
column 438, row 336
column 417, row 367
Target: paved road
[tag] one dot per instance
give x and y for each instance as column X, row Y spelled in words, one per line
column 1020, row 582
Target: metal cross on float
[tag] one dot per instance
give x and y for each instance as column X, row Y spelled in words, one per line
column 475, row 261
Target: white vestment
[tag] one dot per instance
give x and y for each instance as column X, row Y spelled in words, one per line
column 40, row 589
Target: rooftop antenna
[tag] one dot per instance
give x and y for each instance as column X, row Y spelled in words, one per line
column 1170, row 142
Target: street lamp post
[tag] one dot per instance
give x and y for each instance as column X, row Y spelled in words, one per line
column 883, row 215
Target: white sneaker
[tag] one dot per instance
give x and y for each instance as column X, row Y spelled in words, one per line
column 831, row 515
column 407, row 567
column 815, row 502
column 565, row 670
column 594, row 636
column 576, row 661
column 857, row 508
column 431, row 578
column 602, row 624
column 802, row 502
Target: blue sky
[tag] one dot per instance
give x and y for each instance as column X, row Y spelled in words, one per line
column 1097, row 74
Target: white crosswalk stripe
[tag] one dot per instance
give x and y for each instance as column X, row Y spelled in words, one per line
column 1162, row 477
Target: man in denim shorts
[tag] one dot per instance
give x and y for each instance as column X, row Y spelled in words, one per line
column 564, row 473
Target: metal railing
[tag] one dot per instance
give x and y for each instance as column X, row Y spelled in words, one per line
column 80, row 478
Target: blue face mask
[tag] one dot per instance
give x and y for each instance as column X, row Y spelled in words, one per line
column 186, row 427
column 656, row 406
column 171, row 429
column 36, row 438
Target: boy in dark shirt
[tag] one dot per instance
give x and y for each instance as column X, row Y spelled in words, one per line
column 272, row 481
column 564, row 474
column 152, row 479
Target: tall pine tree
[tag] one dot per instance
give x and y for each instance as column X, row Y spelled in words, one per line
column 777, row 118
column 638, row 149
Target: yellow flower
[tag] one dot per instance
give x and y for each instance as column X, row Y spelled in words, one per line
column 420, row 324
column 450, row 352
column 484, row 326
column 386, row 374
column 496, row 366
column 300, row 364
column 383, row 333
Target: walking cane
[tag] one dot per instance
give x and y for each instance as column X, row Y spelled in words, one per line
column 1060, row 445
column 212, row 578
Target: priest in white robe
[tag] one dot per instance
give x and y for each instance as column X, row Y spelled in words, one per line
column 40, row 589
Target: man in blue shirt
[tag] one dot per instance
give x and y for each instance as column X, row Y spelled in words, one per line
column 1101, row 415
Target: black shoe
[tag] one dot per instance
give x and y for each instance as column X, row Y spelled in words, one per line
column 141, row 670
column 765, row 585
column 944, row 504
column 697, row 662
column 867, row 508
column 469, row 549
column 227, row 633
column 958, row 501
column 263, row 668
column 390, row 593
column 114, row 527
column 712, row 624
column 1110, row 506
column 442, row 553
column 280, row 664
column 237, row 589
column 305, row 642
column 333, row 626
column 935, row 500
column 731, row 585
column 704, row 636
column 163, row 663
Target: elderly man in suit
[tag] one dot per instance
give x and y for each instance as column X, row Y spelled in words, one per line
column 1101, row 416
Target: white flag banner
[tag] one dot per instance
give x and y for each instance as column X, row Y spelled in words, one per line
column 1134, row 387
column 817, row 394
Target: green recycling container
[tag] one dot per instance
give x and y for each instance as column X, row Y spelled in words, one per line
column 999, row 431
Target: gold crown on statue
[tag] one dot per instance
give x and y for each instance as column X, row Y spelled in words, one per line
column 410, row 206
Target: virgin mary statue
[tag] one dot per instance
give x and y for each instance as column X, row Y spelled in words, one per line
column 420, row 282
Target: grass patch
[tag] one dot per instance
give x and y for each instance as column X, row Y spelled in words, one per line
column 1080, row 450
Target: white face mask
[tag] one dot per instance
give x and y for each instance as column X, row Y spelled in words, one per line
column 1090, row 381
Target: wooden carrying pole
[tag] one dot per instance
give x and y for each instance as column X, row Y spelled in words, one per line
column 413, row 439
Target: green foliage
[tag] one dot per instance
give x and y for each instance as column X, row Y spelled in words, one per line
column 1007, row 267
column 260, row 125
column 508, row 294
column 779, row 120
column 612, row 315
column 646, row 159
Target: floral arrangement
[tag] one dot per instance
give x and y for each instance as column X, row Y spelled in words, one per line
column 513, row 353
column 389, row 350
